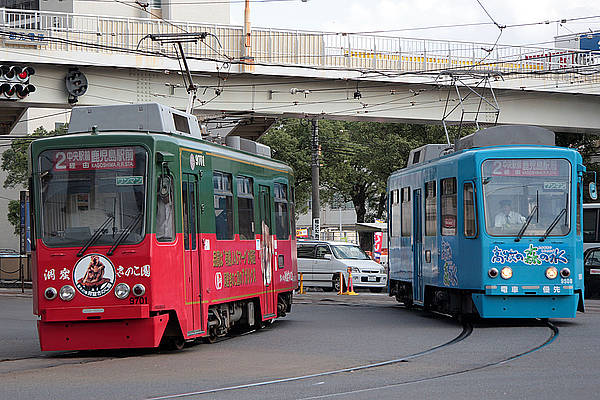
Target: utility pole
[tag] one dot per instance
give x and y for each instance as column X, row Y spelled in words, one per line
column 316, row 205
column 247, row 59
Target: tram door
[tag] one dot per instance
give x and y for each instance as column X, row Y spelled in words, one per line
column 267, row 251
column 417, row 247
column 193, row 301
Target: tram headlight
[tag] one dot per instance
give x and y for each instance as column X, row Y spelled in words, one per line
column 50, row 293
column 67, row 293
column 138, row 290
column 565, row 273
column 551, row 273
column 493, row 272
column 122, row 290
column 506, row 273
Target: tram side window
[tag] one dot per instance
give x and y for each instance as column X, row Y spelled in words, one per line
column 282, row 219
column 395, row 212
column 590, row 225
column 448, row 207
column 165, row 223
column 245, row 194
column 406, row 212
column 223, row 202
column 430, row 209
column 469, row 215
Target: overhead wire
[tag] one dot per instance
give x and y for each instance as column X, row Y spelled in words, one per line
column 347, row 88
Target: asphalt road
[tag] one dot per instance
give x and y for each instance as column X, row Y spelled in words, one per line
column 324, row 333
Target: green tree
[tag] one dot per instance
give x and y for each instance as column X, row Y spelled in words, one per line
column 14, row 161
column 356, row 158
column 360, row 156
column 587, row 145
column 290, row 142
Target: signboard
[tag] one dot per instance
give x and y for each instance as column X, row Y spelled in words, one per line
column 25, row 37
column 589, row 41
column 539, row 167
column 94, row 158
column 316, row 228
column 377, row 245
column 302, row 233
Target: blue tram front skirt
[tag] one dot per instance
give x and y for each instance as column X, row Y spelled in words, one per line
column 522, row 301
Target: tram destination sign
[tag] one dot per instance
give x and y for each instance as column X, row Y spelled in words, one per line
column 94, row 158
column 530, row 167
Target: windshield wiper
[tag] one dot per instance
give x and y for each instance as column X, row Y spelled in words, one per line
column 553, row 224
column 526, row 224
column 125, row 233
column 99, row 232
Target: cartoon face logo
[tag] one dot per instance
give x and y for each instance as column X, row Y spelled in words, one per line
column 94, row 275
column 192, row 162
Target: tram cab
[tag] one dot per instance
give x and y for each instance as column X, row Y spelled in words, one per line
column 490, row 226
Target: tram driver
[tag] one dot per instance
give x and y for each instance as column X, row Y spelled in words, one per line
column 507, row 217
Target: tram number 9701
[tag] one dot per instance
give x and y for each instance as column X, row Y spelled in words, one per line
column 138, row 300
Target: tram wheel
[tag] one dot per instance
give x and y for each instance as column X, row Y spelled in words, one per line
column 176, row 343
column 210, row 339
column 172, row 343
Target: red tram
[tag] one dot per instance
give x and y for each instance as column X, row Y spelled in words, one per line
column 144, row 234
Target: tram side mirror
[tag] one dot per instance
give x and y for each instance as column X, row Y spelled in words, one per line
column 164, row 186
column 592, row 191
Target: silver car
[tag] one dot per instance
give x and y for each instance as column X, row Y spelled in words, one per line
column 320, row 264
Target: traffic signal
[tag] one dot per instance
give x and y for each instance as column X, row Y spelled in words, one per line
column 14, row 81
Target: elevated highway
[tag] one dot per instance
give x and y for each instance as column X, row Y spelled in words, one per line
column 299, row 74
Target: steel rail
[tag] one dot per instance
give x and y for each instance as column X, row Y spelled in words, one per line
column 549, row 340
column 466, row 332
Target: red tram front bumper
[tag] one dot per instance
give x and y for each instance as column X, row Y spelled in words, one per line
column 103, row 334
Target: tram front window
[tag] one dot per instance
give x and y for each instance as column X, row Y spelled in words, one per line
column 527, row 197
column 92, row 196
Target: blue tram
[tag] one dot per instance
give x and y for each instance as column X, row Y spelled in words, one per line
column 490, row 226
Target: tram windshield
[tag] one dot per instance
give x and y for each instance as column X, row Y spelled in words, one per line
column 93, row 196
column 526, row 197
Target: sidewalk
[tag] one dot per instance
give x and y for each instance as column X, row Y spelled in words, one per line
column 15, row 292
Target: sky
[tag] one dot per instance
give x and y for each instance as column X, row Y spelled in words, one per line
column 384, row 15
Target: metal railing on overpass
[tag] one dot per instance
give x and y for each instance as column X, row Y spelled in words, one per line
column 78, row 32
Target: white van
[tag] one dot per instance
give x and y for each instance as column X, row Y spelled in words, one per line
column 321, row 263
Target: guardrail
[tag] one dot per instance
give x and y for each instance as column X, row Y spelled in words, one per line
column 79, row 32
column 15, row 268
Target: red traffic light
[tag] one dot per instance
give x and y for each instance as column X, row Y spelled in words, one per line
column 7, row 89
column 25, row 73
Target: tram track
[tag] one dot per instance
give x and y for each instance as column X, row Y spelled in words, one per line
column 466, row 332
column 554, row 334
